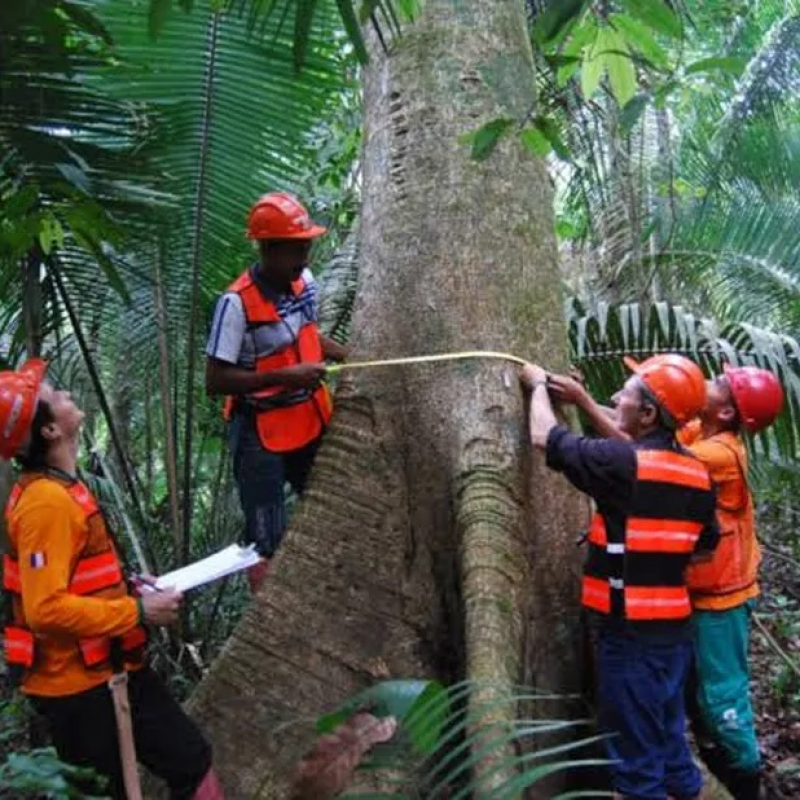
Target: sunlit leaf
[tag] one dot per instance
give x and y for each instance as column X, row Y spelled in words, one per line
column 656, row 14
column 730, row 65
column 485, row 139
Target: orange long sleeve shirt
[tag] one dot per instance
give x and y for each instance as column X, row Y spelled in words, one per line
column 48, row 531
column 730, row 578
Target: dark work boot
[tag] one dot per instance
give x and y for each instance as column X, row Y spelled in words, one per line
column 744, row 785
column 716, row 760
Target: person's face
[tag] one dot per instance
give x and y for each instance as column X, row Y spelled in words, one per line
column 632, row 412
column 67, row 417
column 284, row 260
column 719, row 408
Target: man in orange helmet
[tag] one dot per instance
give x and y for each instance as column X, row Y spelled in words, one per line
column 266, row 353
column 655, row 512
column 73, row 622
column 723, row 588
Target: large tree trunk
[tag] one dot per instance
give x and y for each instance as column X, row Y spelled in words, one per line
column 430, row 541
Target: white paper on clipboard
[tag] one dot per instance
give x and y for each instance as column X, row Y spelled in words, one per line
column 228, row 561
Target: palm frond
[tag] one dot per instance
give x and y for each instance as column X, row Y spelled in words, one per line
column 338, row 290
column 603, row 336
column 444, row 734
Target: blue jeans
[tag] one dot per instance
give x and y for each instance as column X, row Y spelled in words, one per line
column 641, row 706
column 261, row 476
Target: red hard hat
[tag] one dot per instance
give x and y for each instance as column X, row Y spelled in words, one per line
column 676, row 383
column 757, row 395
column 19, row 391
column 280, row 216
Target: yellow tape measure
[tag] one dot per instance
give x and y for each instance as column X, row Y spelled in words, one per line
column 393, row 362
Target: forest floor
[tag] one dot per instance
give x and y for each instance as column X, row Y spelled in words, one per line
column 776, row 676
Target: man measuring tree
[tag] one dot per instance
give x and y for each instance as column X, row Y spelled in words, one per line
column 655, row 513
column 266, row 353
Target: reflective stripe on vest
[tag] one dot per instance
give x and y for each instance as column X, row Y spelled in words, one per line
column 657, row 602
column 286, row 419
column 95, row 573
column 664, row 466
column 91, row 574
column 648, row 535
column 13, row 499
column 641, row 602
column 636, row 568
column 18, row 646
column 11, row 581
column 97, row 650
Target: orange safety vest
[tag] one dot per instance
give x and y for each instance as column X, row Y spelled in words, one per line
column 287, row 419
column 730, row 577
column 97, row 572
column 635, row 566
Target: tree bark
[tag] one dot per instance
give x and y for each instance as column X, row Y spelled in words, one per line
column 430, row 542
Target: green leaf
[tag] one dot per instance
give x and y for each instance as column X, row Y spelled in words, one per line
column 353, row 28
column 621, row 72
column 535, row 141
column 409, row 9
column 640, row 38
column 159, row 11
column 367, row 9
column 84, row 19
column 657, row 14
column 583, row 35
column 304, row 17
column 20, row 202
column 50, row 233
column 426, row 718
column 632, row 112
column 422, row 706
column 663, row 92
column 731, row 65
column 556, row 18
column 549, row 127
column 594, row 64
column 76, row 176
column 485, row 139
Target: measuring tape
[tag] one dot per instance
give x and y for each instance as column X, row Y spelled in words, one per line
column 392, row 362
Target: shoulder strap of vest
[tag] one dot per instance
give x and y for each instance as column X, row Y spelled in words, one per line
column 242, row 282
column 89, row 501
column 23, row 482
column 257, row 309
column 13, row 499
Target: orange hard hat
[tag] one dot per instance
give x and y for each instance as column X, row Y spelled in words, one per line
column 675, row 382
column 19, row 391
column 757, row 395
column 280, row 216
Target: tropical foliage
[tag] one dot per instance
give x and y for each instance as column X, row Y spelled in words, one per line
column 134, row 135
column 439, row 735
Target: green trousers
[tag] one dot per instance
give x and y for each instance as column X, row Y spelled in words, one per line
column 723, row 683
